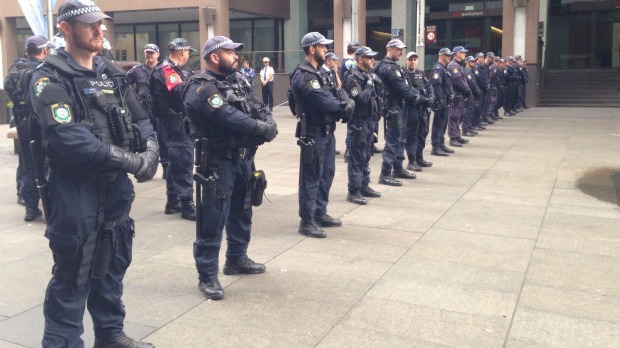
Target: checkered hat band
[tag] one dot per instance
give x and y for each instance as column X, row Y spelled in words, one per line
column 217, row 47
column 78, row 12
column 180, row 48
column 316, row 42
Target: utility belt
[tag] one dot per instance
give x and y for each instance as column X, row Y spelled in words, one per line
column 83, row 174
column 94, row 257
column 233, row 154
column 324, row 128
column 396, row 102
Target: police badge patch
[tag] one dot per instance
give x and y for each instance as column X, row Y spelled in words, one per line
column 455, row 70
column 469, row 77
column 436, row 76
column 215, row 101
column 61, row 114
column 476, row 72
column 315, row 84
column 173, row 78
column 40, row 84
column 354, row 92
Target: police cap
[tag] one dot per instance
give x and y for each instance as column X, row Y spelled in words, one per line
column 365, row 52
column 151, row 48
column 470, row 59
column 353, row 44
column 411, row 54
column 479, row 54
column 82, row 10
column 458, row 49
column 314, row 38
column 217, row 42
column 491, row 54
column 510, row 58
column 331, row 55
column 37, row 40
column 396, row 43
column 180, row 44
column 445, row 52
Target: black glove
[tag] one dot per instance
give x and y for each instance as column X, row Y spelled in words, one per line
column 125, row 160
column 347, row 108
column 376, row 78
column 431, row 100
column 151, row 160
column 268, row 130
column 369, row 81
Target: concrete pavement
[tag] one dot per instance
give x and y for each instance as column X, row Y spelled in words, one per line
column 514, row 241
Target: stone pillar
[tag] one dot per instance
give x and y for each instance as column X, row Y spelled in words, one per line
column 404, row 17
column 294, row 29
column 420, row 46
column 519, row 27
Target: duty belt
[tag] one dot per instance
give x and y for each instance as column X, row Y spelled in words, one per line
column 237, row 153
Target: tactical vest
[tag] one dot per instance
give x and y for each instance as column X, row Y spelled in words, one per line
column 300, row 107
column 18, row 80
column 237, row 96
column 100, row 102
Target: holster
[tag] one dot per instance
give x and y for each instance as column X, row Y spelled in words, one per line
column 255, row 189
column 307, row 150
column 394, row 119
column 176, row 120
column 357, row 133
column 104, row 249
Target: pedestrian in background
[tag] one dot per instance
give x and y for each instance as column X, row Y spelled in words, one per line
column 266, row 78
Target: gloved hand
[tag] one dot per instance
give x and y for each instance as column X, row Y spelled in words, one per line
column 151, row 160
column 268, row 130
column 376, row 78
column 431, row 100
column 125, row 160
column 347, row 108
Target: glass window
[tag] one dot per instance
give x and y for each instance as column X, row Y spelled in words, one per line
column 145, row 34
column 468, row 33
column 166, row 33
column 465, row 5
column 189, row 31
column 124, row 46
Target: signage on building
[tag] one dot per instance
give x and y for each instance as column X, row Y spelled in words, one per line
column 468, row 14
column 397, row 33
column 431, row 34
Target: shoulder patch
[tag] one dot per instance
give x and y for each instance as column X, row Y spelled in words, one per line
column 215, row 101
column 354, row 92
column 436, row 76
column 455, row 70
column 40, row 84
column 476, row 72
column 61, row 113
column 469, row 76
column 315, row 84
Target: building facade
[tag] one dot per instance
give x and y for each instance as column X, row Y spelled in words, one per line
column 550, row 34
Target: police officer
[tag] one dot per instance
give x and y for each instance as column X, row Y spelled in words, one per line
column 166, row 84
column 512, row 80
column 469, row 102
column 85, row 112
column 481, row 75
column 16, row 84
column 360, row 85
column 522, row 74
column 442, row 86
column 229, row 122
column 417, row 133
column 318, row 110
column 398, row 92
column 139, row 77
column 346, row 65
column 461, row 92
column 501, row 99
column 491, row 97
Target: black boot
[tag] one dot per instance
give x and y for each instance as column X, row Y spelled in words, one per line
column 243, row 266
column 123, row 341
column 327, row 221
column 414, row 166
column 422, row 163
column 446, row 149
column 402, row 173
column 389, row 180
column 437, row 151
column 32, row 213
column 212, row 289
column 368, row 192
column 173, row 205
column 454, row 143
column 462, row 140
column 311, row 229
column 188, row 210
column 356, row 198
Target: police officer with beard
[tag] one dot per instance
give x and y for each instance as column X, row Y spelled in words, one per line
column 85, row 112
column 229, row 122
column 360, row 85
column 166, row 84
column 16, row 84
column 318, row 110
column 442, row 86
column 398, row 92
column 418, row 120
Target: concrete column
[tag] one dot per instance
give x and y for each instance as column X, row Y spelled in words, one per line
column 404, row 17
column 361, row 21
column 420, row 46
column 294, row 29
column 519, row 27
column 221, row 25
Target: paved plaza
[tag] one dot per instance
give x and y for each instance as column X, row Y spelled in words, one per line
column 514, row 241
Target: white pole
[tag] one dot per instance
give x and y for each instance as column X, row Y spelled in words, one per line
column 519, row 35
column 355, row 21
column 50, row 20
column 420, row 37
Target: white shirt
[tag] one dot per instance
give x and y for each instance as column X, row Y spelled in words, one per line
column 266, row 70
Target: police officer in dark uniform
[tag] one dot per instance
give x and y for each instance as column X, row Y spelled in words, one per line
column 481, row 75
column 229, row 122
column 416, row 134
column 360, row 85
column 442, row 86
column 398, row 92
column 492, row 95
column 522, row 74
column 139, row 77
column 512, row 82
column 461, row 92
column 346, row 65
column 166, row 84
column 318, row 110
column 85, row 112
column 16, row 84
column 502, row 83
column 469, row 102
